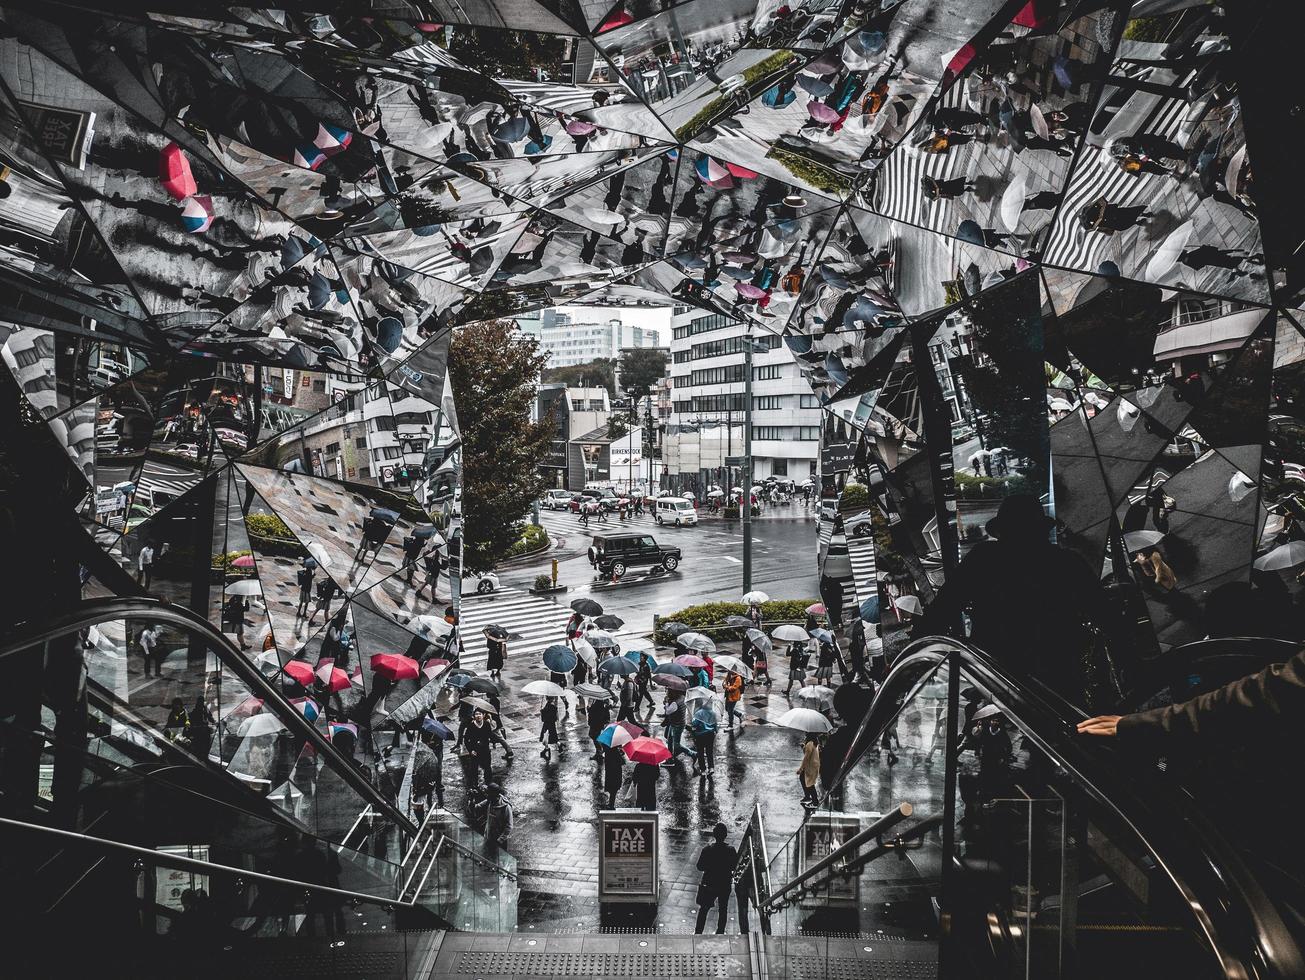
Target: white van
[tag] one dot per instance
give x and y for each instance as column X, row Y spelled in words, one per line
column 676, row 510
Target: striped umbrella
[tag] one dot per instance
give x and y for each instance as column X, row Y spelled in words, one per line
column 197, row 215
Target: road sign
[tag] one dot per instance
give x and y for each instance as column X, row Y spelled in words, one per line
column 735, row 460
column 627, row 856
column 387, row 474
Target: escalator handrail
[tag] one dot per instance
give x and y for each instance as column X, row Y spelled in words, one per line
column 105, row 846
column 1184, row 849
column 92, row 611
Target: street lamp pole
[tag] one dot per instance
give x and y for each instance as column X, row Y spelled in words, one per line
column 747, row 460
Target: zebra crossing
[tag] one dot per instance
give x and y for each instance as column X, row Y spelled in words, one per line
column 173, row 489
column 861, row 552
column 532, row 621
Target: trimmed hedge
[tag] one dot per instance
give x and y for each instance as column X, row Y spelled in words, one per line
column 970, row 487
column 710, row 614
column 533, row 538
column 854, row 495
column 268, row 526
column 224, row 561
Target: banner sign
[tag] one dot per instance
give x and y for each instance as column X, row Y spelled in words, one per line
column 627, row 856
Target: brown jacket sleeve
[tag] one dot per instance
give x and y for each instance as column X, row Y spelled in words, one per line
column 1273, row 698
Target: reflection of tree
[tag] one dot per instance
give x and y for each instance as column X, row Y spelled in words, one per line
column 508, row 54
column 599, row 373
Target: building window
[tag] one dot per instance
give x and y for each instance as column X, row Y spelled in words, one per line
column 390, row 452
column 383, row 423
column 412, row 418
column 768, row 372
column 771, row 433
column 360, row 442
column 767, row 403
column 779, row 467
column 331, row 448
column 374, row 393
column 319, row 386
column 808, row 401
column 597, row 405
column 808, row 433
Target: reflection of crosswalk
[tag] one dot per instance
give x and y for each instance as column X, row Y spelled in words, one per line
column 861, row 551
column 533, row 622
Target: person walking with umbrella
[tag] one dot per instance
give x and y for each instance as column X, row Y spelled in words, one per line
column 733, row 695
column 673, row 719
column 326, row 590
column 475, row 741
column 716, row 862
column 808, row 772
column 600, row 716
column 548, row 726
column 1100, row 215
column 645, row 682
column 613, row 774
column 797, row 666
column 630, row 695
column 645, row 778
column 304, row 577
column 427, row 771
column 703, row 729
column 496, row 648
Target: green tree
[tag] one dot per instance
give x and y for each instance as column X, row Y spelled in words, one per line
column 641, row 369
column 596, row 374
column 493, row 370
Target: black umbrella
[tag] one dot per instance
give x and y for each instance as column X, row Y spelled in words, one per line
column 675, row 629
column 586, row 607
column 481, row 685
column 511, row 130
column 609, row 622
column 676, row 670
column 496, row 632
column 619, row 666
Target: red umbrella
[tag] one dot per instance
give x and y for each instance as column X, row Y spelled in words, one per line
column 395, row 666
column 337, row 680
column 174, row 172
column 690, row 660
column 300, row 671
column 743, row 173
column 244, row 561
column 647, row 749
column 816, row 609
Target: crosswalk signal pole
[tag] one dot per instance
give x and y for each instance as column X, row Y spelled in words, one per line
column 747, row 461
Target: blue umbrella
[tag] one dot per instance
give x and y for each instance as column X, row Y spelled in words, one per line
column 511, row 130
column 969, row 231
column 560, row 659
column 618, row 666
column 1108, row 268
column 817, row 88
column 389, row 333
column 310, row 563
column 385, row 514
column 835, row 369
column 870, row 610
column 704, row 720
column 459, row 679
column 824, row 636
column 436, row 728
column 679, row 670
column 534, row 149
column 798, row 343
column 292, row 252
column 319, row 291
column 422, row 533
column 775, row 100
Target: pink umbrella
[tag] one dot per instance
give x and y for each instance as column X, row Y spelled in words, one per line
column 244, row 561
column 822, row 113
column 578, row 127
column 710, row 170
column 749, row 291
column 336, row 679
column 618, row 18
column 816, row 609
column 743, row 173
column 300, row 671
column 690, row 660
column 174, row 173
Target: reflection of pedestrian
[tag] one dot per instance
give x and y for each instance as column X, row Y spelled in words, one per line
column 808, row 772
column 233, row 616
column 733, row 695
column 716, row 862
column 496, row 648
column 1100, row 215
column 613, row 774
column 305, row 579
column 548, row 726
column 645, row 778
column 944, row 190
column 145, row 566
column 475, row 741
column 1155, row 570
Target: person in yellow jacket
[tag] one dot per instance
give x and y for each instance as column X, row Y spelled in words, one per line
column 733, row 694
column 809, row 772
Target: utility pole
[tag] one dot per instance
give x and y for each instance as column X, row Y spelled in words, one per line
column 747, row 460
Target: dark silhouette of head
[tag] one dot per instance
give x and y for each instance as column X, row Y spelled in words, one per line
column 1020, row 520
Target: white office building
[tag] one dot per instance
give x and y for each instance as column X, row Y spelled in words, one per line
column 705, row 429
column 570, row 341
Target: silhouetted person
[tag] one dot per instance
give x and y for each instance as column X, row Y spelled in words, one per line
column 1030, row 602
column 716, row 862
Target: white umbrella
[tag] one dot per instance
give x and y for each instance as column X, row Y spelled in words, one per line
column 1137, row 540
column 909, row 604
column 696, row 641
column 804, row 720
column 1060, row 405
column 1166, row 256
column 262, row 724
column 715, row 493
column 736, row 489
column 1284, row 556
column 1012, row 202
column 601, row 216
column 699, row 694
column 790, row 633
column 319, row 552
column 544, row 689
column 816, row 692
column 247, row 586
column 1039, row 122
column 987, row 711
column 1234, row 169
column 585, row 651
column 734, row 665
column 600, row 638
column 436, row 625
column 755, row 598
column 272, row 656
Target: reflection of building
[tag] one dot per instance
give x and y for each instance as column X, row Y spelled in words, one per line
column 705, row 424
column 1202, row 332
column 576, row 411
column 569, row 342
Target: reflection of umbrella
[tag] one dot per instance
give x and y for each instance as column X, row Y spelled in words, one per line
column 264, row 724
column 824, row 636
column 197, row 215
column 710, row 170
column 816, row 609
column 307, row 707
column 817, row 693
column 578, row 127
column 698, row 694
column 817, row 88
column 740, row 621
column 337, row 680
column 609, row 622
column 385, row 514
column 1282, row 557
column 789, row 633
column 696, row 641
column 459, row 678
column 511, row 130
column 586, row 607
column 774, row 100
column 600, row 639
column 734, row 665
column 671, row 682
column 755, row 598
column 909, row 604
column 436, row 728
column 987, row 711
column 174, row 173
column 544, row 689
column 601, row 216
column 480, row 704
column 614, row 736
column 585, row 651
column 969, row 231
column 594, row 691
column 618, row 666
column 804, row 720
column 300, row 671
column 319, row 552
column 1039, row 122
column 749, row 291
column 244, row 561
column 394, row 666
column 821, row 112
column 560, row 659
column 690, row 660
column 1012, row 202
column 437, row 626
column 1166, row 256
column 1233, row 172
column 1137, row 540
column 759, row 640
column 870, row 610
column 648, row 750
column 743, row 173
column 495, row 632
column 715, row 493
column 245, row 587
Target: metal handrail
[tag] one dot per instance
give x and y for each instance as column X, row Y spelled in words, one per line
column 194, row 864
column 1186, row 848
column 92, row 611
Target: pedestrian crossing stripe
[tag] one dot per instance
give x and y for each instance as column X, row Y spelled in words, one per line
column 861, row 553
column 533, row 622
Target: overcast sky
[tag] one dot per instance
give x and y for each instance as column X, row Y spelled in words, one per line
column 657, row 318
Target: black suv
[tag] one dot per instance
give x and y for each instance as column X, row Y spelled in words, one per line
column 615, row 554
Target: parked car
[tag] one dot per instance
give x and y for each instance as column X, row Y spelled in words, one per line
column 556, row 499
column 484, row 583
column 675, row 510
column 859, row 526
column 612, row 555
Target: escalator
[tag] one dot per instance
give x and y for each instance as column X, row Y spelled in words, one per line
column 1038, row 854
